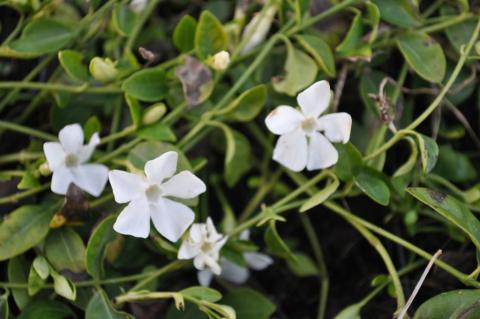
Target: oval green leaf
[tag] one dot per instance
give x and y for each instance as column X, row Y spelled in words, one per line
column 398, row 12
column 320, row 51
column 64, row 249
column 210, row 37
column 100, row 306
column 248, row 105
column 146, row 85
column 373, row 185
column 202, row 293
column 71, row 61
column 184, row 34
column 462, row 303
column 249, row 304
column 95, row 253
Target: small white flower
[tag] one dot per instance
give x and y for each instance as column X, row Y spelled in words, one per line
column 220, row 60
column 203, row 244
column 67, row 162
column 138, row 5
column 305, row 136
column 257, row 29
column 149, row 197
column 234, row 272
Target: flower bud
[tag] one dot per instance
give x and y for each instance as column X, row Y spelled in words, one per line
column 220, row 60
column 257, row 29
column 153, row 113
column 103, row 69
column 44, row 169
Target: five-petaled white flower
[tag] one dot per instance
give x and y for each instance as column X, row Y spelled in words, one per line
column 203, row 244
column 305, row 136
column 234, row 272
column 67, row 162
column 150, row 197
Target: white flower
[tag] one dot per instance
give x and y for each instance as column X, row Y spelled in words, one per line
column 220, row 60
column 234, row 272
column 67, row 162
column 305, row 136
column 203, row 244
column 149, row 197
column 257, row 29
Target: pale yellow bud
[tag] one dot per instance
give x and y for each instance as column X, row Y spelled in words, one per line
column 153, row 113
column 103, row 69
column 220, row 60
column 44, row 169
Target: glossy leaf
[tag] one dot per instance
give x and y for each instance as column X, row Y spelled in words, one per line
column 424, row 55
column 446, row 304
column 65, row 250
column 349, row 161
column 302, row 265
column 353, row 46
column 398, row 12
column 451, row 209
column 24, row 228
column 248, row 105
column 17, row 271
column 371, row 183
column 458, row 34
column 184, row 34
column 95, row 252
column 64, row 286
column 44, row 35
column 202, row 293
column 146, row 85
column 210, row 37
column 100, row 306
column 157, row 132
column 249, row 304
column 46, row 309
column 428, row 152
column 300, row 71
column 275, row 243
column 123, row 19
column 72, row 63
column 320, row 51
column 321, row 196
column 454, row 165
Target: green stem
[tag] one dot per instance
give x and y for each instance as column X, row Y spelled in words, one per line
column 174, row 265
column 20, row 157
column 84, row 88
column 139, row 25
column 445, row 24
column 18, row 196
column 26, row 130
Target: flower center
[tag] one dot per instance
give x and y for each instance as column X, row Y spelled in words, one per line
column 308, row 125
column 153, row 193
column 71, row 160
column 206, row 247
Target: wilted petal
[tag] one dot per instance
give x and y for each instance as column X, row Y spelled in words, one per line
column 71, row 138
column 92, row 178
column 134, row 219
column 86, row 150
column 187, row 250
column 257, row 261
column 336, row 126
column 183, row 185
column 283, row 119
column 244, row 235
column 170, row 218
column 233, row 272
column 315, row 99
column 61, row 179
column 205, row 277
column 55, row 154
column 126, row 186
column 321, row 153
column 291, row 150
column 161, row 167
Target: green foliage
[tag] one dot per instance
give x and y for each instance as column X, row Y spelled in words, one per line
column 210, row 37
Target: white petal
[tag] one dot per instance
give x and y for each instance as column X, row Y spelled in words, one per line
column 321, row 153
column 213, row 235
column 161, row 167
column 171, row 219
column 291, row 150
column 220, row 243
column 134, row 219
column 55, row 154
column 233, row 272
column 71, row 138
column 212, row 263
column 205, row 277
column 126, row 186
column 92, row 178
column 197, row 232
column 336, row 126
column 187, row 250
column 183, row 185
column 61, row 179
column 315, row 99
column 245, row 235
column 199, row 261
column 86, row 150
column 283, row 119
column 257, row 261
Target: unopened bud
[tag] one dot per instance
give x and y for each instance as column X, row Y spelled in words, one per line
column 103, row 69
column 257, row 29
column 44, row 169
column 220, row 60
column 153, row 113
column 57, row 221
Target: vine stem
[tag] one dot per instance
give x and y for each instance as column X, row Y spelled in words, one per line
column 26, row 130
column 60, row 87
column 435, row 103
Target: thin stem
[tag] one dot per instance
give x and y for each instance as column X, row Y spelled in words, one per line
column 445, row 24
column 84, row 88
column 21, row 156
column 18, row 196
column 139, row 25
column 27, row 130
column 174, row 265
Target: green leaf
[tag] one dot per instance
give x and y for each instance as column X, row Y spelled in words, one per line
column 123, row 19
column 4, row 308
column 44, row 35
column 372, row 184
column 302, row 265
column 17, row 271
column 103, row 69
column 46, row 309
column 184, row 34
column 210, row 37
column 349, row 161
column 454, row 166
column 63, row 286
column 424, row 55
column 237, row 158
column 91, row 126
column 370, row 84
column 35, row 282
column 249, row 304
column 202, row 293
column 300, row 72
column 157, row 132
column 353, row 45
column 275, row 243
column 135, row 110
column 373, row 19
column 101, row 307
column 428, row 152
column 350, row 312
column 146, row 151
column 450, row 208
column 320, row 51
column 320, row 196
column 95, row 252
column 28, row 180
column 41, row 266
column 446, row 304
column 71, row 62
column 248, row 105
column 25, row 227
column 398, row 12
column 64, row 249
column 458, row 34
column 146, row 85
